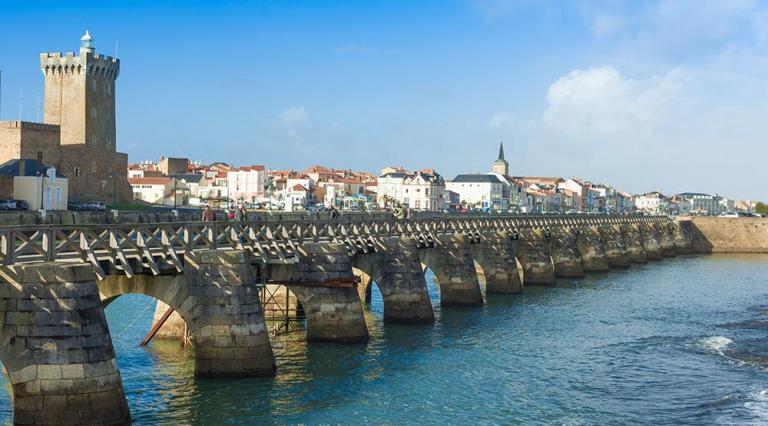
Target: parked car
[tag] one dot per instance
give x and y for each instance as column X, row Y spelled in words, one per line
column 6, row 205
column 96, row 206
column 729, row 214
column 21, row 205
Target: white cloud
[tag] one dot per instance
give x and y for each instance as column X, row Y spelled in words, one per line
column 500, row 121
column 602, row 101
column 604, row 24
column 295, row 121
column 294, row 116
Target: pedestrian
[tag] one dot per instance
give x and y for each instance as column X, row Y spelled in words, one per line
column 334, row 212
column 240, row 219
column 239, row 214
column 208, row 214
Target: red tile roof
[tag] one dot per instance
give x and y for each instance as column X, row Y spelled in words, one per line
column 149, row 181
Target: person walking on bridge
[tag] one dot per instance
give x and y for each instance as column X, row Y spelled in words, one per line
column 208, row 215
column 239, row 214
column 334, row 212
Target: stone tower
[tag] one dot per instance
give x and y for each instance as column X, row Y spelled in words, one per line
column 80, row 99
column 80, row 95
column 501, row 166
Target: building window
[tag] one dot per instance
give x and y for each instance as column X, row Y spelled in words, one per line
column 77, row 171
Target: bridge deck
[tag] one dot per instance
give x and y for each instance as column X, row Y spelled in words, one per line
column 160, row 245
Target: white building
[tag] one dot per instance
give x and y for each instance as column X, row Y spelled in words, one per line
column 159, row 190
column 34, row 183
column 478, row 190
column 652, row 203
column 422, row 190
column 246, row 183
column 198, row 187
column 295, row 198
column 701, row 203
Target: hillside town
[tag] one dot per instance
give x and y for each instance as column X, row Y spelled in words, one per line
column 178, row 182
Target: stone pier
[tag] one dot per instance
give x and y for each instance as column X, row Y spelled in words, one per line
column 634, row 243
column 495, row 254
column 55, row 345
column 454, row 267
column 592, row 249
column 396, row 269
column 666, row 239
column 566, row 256
column 650, row 240
column 217, row 297
column 682, row 235
column 615, row 247
column 533, row 253
column 322, row 281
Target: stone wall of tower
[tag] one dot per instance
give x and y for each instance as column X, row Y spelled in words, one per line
column 80, row 98
column 21, row 139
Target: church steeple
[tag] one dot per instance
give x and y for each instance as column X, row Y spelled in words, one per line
column 500, row 166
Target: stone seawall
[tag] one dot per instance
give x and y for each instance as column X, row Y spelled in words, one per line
column 730, row 235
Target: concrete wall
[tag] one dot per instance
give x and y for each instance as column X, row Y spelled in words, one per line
column 730, row 235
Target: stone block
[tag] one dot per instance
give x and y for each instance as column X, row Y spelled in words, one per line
column 225, row 257
column 24, row 374
column 54, row 403
column 49, row 372
column 55, row 273
column 73, row 371
column 27, row 403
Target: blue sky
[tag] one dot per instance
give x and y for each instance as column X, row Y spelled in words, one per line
column 645, row 95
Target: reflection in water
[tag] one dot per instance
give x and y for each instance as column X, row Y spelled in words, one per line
column 680, row 341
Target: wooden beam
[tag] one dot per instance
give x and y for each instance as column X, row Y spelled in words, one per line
column 155, row 328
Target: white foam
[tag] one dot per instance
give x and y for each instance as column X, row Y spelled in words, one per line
column 715, row 344
column 758, row 404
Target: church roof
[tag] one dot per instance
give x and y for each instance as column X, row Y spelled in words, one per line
column 476, row 178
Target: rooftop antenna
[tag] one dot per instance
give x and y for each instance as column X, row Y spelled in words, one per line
column 21, row 102
column 117, row 45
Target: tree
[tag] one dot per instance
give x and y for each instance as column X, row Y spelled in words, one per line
column 761, row 208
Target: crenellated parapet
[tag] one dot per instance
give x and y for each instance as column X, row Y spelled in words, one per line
column 86, row 63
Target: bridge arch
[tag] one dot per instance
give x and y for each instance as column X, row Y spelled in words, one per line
column 494, row 256
column 453, row 264
column 397, row 274
column 161, row 288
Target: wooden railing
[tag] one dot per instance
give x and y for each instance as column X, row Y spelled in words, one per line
column 163, row 244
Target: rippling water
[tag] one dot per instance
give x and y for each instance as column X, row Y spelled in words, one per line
column 682, row 341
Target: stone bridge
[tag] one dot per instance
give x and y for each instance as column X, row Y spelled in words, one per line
column 55, row 342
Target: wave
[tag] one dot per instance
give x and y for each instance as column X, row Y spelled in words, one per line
column 716, row 344
column 758, row 404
